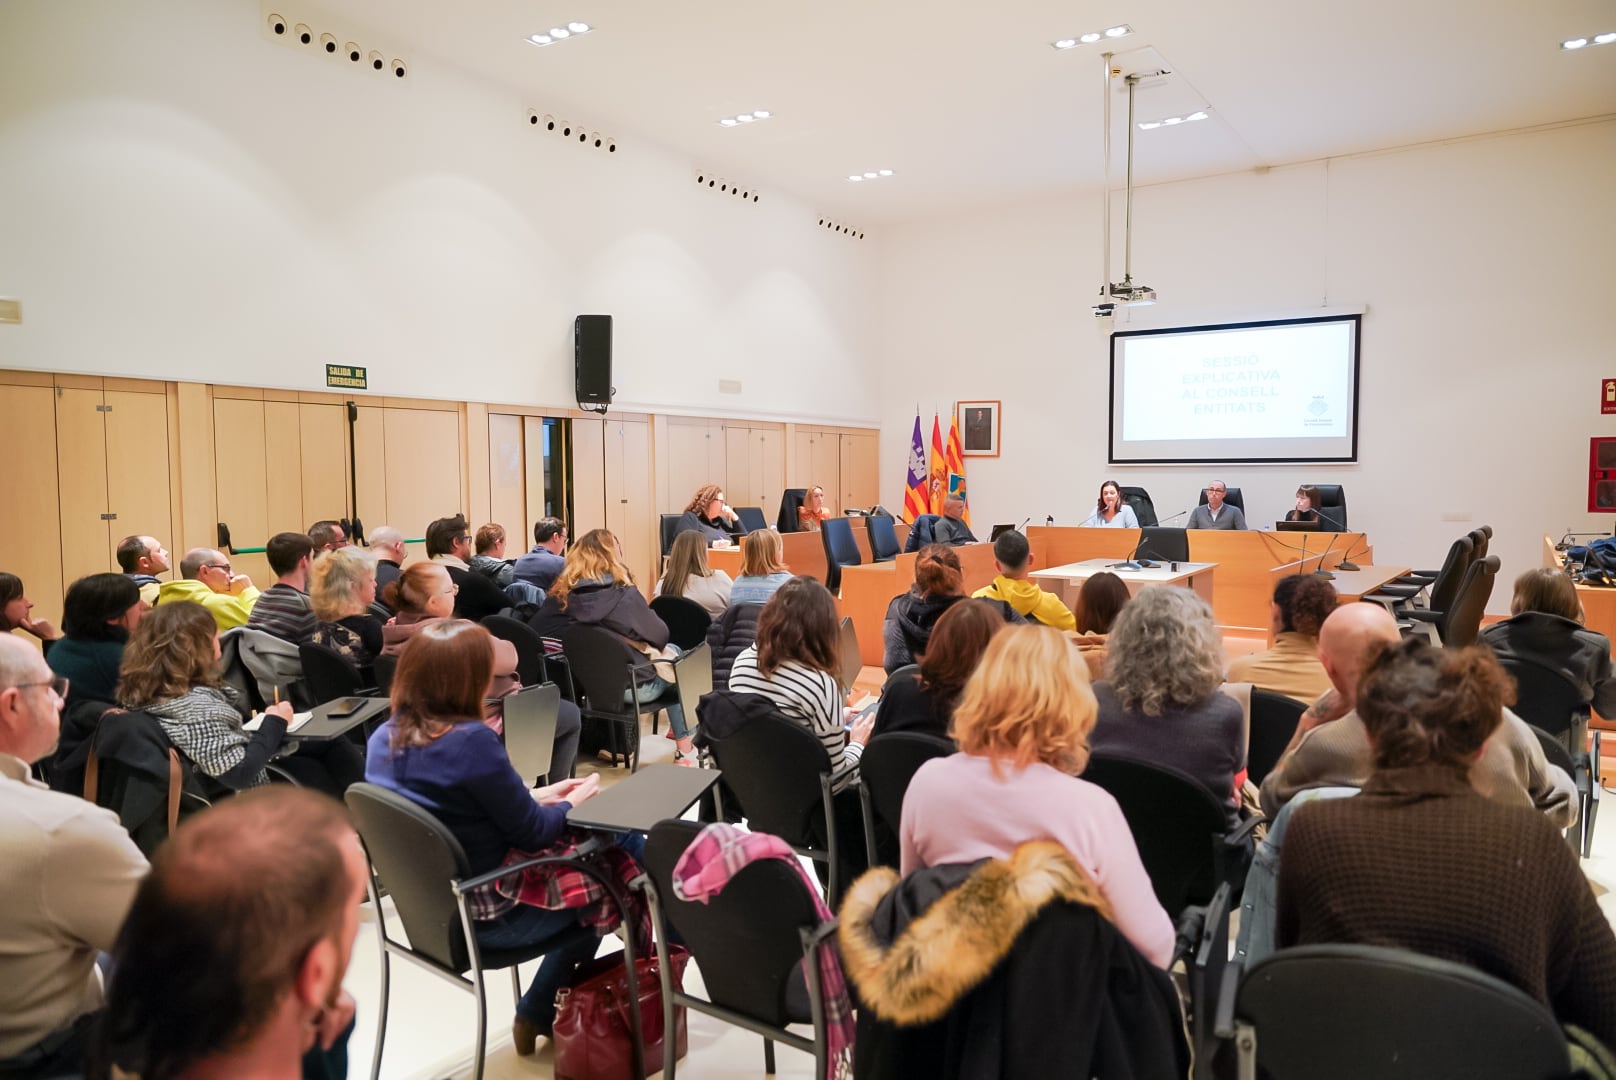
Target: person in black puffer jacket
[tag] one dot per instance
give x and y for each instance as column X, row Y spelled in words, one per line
column 730, row 636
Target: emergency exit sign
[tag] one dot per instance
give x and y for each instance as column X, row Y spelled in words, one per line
column 349, row 378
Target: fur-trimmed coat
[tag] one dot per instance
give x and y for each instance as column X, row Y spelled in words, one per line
column 1003, row 968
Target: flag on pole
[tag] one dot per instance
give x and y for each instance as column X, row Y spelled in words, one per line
column 939, row 467
column 955, row 457
column 916, row 499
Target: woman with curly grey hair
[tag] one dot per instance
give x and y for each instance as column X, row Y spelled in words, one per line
column 1159, row 701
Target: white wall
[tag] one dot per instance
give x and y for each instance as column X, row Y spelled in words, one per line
column 183, row 197
column 1487, row 268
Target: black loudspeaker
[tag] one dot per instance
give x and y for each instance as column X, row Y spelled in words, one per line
column 592, row 355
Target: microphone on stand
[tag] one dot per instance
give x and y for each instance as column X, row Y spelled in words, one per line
column 1023, row 526
column 1171, row 517
column 1340, row 527
column 1321, row 571
column 1049, row 519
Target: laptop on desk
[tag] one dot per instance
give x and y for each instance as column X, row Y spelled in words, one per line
column 1000, row 530
column 1296, row 526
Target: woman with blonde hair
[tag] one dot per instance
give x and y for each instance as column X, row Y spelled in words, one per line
column 1160, row 702
column 763, row 568
column 811, row 514
column 710, row 516
column 1022, row 725
column 594, row 588
column 171, row 671
column 342, row 586
column 688, row 575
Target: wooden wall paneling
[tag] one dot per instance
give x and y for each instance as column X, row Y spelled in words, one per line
column 860, row 468
column 630, row 512
column 26, row 378
column 696, row 456
column 507, row 480
column 424, row 470
column 819, row 462
column 534, row 495
column 370, row 464
column 769, row 454
column 138, row 488
column 81, row 463
column 241, row 485
column 197, row 489
column 588, row 449
column 473, row 436
column 283, row 476
column 323, row 459
column 33, row 545
column 740, row 466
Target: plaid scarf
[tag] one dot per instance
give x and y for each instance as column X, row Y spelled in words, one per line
column 715, row 856
column 555, row 886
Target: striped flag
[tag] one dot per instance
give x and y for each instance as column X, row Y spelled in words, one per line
column 955, row 458
column 916, row 500
column 939, row 467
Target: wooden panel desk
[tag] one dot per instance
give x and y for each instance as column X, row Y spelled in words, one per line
column 1067, row 581
column 1244, row 560
column 868, row 589
column 1354, row 585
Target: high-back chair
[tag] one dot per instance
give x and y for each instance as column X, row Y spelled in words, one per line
column 884, row 545
column 1440, row 587
column 889, row 762
column 751, row 518
column 1273, row 721
column 1459, row 624
column 604, row 670
column 840, row 550
column 687, row 621
column 667, row 528
column 1332, row 507
column 327, row 674
column 756, row 943
column 790, row 502
column 1360, row 1012
column 1231, row 495
column 529, row 647
column 1143, row 508
column 922, row 532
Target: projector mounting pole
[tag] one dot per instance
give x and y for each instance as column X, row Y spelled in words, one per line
column 1127, row 228
column 1105, row 224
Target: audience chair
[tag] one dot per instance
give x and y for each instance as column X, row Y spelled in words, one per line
column 1361, row 1012
column 1164, row 543
column 1440, row 587
column 840, row 550
column 1549, row 701
column 134, row 771
column 695, row 681
column 1231, row 495
column 790, row 502
column 530, row 742
column 604, row 669
column 921, row 533
column 383, row 669
column 905, row 671
column 328, row 675
column 1458, row 625
column 529, row 647
column 1143, row 508
column 780, row 772
column 1332, row 508
column 751, row 518
column 888, row 764
column 423, row 868
column 757, row 944
column 667, row 528
column 687, row 621
column 884, row 545
column 1203, row 943
column 1273, row 721
column 1580, row 833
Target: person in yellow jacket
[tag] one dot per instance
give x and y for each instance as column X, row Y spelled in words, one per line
column 209, row 581
column 1014, row 558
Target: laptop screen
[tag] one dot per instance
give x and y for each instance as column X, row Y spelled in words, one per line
column 852, row 662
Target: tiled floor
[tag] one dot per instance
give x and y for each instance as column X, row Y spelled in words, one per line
column 431, row 1029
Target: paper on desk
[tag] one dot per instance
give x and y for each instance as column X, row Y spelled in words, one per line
column 298, row 720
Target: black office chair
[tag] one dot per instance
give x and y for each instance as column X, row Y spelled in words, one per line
column 604, row 670
column 383, row 670
column 905, row 671
column 424, row 869
column 840, row 550
column 757, row 943
column 1360, row 1012
column 751, row 518
column 1440, row 588
column 1164, row 543
column 328, row 675
column 790, row 502
column 1273, row 721
column 888, row 764
column 1231, row 495
column 922, row 532
column 667, row 529
column 1332, row 508
column 884, row 545
column 529, row 647
column 1143, row 508
column 1552, row 704
column 687, row 621
column 1459, row 624
column 780, row 772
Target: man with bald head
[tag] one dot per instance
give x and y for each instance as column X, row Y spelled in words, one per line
column 387, row 544
column 207, row 579
column 231, row 961
column 1331, row 746
column 68, row 872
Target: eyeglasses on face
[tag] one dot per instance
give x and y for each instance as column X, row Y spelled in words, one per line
column 216, row 566
column 58, row 686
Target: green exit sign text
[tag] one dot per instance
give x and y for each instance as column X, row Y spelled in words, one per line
column 349, row 378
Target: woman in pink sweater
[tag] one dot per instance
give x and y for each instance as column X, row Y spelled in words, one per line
column 1022, row 724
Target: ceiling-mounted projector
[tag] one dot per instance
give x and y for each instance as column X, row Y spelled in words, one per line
column 1126, row 294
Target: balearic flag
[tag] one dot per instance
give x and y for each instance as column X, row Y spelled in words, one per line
column 955, row 457
column 916, row 498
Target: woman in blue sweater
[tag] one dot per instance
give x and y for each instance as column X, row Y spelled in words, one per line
column 436, row 751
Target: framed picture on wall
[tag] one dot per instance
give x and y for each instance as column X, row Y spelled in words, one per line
column 979, row 428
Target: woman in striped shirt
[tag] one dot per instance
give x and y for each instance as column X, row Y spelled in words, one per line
column 795, row 664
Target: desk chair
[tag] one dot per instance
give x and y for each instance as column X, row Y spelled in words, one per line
column 922, row 532
column 1164, row 543
column 667, row 524
column 1143, row 508
column 883, row 538
column 840, row 550
column 752, row 518
column 885, row 769
column 1231, row 496
column 686, row 620
column 1332, row 507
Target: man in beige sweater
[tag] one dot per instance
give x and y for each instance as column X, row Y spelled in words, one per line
column 1331, row 747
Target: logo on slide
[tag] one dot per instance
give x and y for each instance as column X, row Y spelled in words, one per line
column 1318, row 407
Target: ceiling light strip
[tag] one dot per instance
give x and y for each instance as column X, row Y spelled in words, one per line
column 859, row 178
column 1093, row 36
column 559, row 33
column 746, row 118
column 1573, row 44
column 1174, row 121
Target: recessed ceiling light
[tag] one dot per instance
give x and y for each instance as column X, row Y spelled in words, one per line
column 578, row 27
column 1062, row 44
column 1170, row 121
column 871, row 175
column 540, row 39
column 1574, row 43
column 1151, row 124
column 1119, row 31
column 745, row 118
column 728, row 121
column 1604, row 39
column 1089, row 39
column 886, row 172
column 1196, row 116
column 1173, row 120
column 856, row 178
column 1065, row 43
column 876, row 174
column 761, row 114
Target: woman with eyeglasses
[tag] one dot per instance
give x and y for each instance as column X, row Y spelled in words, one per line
column 171, row 671
column 14, row 609
column 709, row 515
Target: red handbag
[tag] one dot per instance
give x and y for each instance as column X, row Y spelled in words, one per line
column 591, row 1032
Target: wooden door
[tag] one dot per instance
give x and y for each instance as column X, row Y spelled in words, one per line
column 859, row 471
column 819, row 462
column 696, row 456
column 507, row 488
column 535, row 448
column 370, row 467
column 740, row 466
column 29, row 492
column 137, row 468
column 629, row 510
column 769, row 455
column 81, row 456
column 283, row 480
column 323, row 455
column 423, row 468
column 240, row 452
column 588, row 455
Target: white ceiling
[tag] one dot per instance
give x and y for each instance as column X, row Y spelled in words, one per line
column 969, row 104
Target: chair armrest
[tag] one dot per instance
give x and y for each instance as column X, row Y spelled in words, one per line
column 1424, row 614
column 816, row 936
column 1223, row 1023
column 465, row 885
column 1241, row 834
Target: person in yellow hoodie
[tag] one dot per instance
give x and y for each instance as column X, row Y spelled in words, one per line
column 1013, row 557
column 208, row 580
